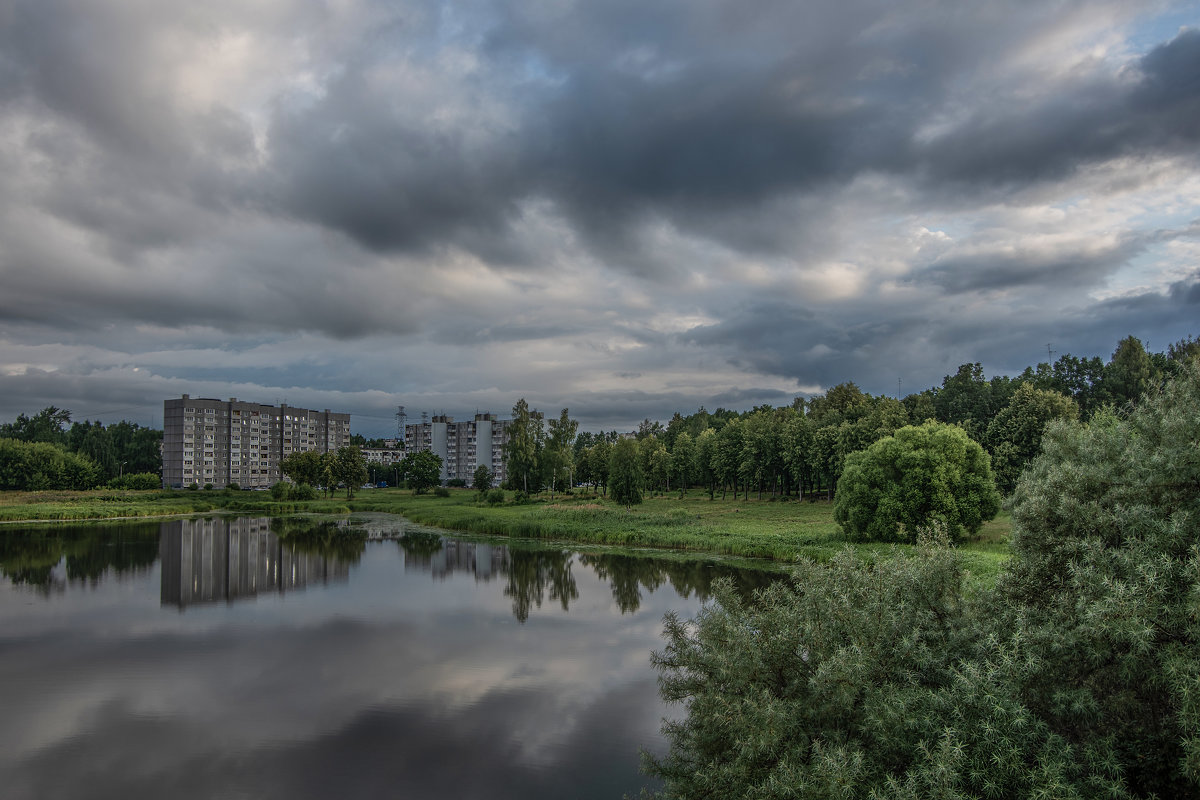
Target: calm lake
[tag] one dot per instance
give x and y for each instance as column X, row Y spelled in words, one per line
column 259, row 658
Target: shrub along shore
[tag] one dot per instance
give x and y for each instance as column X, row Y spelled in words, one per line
column 780, row 531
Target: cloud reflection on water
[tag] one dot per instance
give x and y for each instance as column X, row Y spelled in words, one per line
column 395, row 681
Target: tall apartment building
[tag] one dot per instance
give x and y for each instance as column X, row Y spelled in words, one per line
column 463, row 446
column 213, row 441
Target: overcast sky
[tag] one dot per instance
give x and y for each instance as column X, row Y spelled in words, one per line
column 624, row 207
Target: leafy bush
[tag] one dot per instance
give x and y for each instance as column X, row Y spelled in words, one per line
column 912, row 479
column 456, row 483
column 208, row 487
column 495, row 497
column 36, row 466
column 520, row 498
column 233, row 487
column 303, row 491
column 281, row 491
column 441, row 491
column 136, row 480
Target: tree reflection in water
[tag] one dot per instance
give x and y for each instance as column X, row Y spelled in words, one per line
column 29, row 556
column 327, row 538
column 534, row 573
column 530, row 573
column 629, row 574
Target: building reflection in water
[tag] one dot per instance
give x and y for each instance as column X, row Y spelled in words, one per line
column 212, row 560
column 484, row 561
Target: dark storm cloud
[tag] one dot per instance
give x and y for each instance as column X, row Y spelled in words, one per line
column 783, row 339
column 1102, row 117
column 357, row 163
column 1006, row 270
column 669, row 112
column 920, row 350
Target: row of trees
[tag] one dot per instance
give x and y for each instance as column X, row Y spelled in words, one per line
column 344, row 467
column 115, row 450
column 36, row 466
column 803, row 448
column 48, row 451
column 534, row 459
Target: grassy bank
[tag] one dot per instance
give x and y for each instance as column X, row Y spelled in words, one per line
column 102, row 504
column 756, row 528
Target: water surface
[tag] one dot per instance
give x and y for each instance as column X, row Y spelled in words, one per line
column 274, row 659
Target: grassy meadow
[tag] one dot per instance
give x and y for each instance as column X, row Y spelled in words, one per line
column 780, row 531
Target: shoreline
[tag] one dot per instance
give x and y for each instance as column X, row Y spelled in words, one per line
column 777, row 530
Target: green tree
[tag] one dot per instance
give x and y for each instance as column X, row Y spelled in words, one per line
column 45, row 426
column 137, row 449
column 1104, row 586
column 1014, row 436
column 825, row 686
column 422, row 470
column 727, row 456
column 840, row 402
column 702, row 468
column 625, row 477
column 523, row 450
column 481, row 481
column 761, row 458
column 658, row 464
column 93, row 441
column 824, row 457
column 927, row 474
column 349, row 468
column 649, row 428
column 1081, row 379
column 559, row 450
column 966, row 399
column 599, row 460
column 1184, row 351
column 796, row 444
column 1129, row 374
column 306, row 467
column 683, row 459
column 34, row 466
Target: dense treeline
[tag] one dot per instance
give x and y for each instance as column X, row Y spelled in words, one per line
column 48, row 451
column 801, row 450
column 1076, row 677
column 308, row 469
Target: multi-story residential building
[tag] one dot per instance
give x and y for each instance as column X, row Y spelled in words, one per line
column 462, row 446
column 386, row 456
column 213, row 441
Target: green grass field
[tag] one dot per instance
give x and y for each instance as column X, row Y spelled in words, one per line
column 781, row 531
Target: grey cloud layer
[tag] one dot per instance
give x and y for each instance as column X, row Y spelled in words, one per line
column 803, row 194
